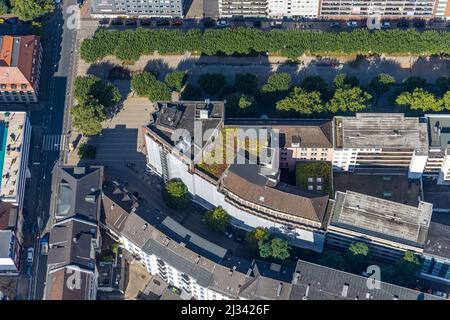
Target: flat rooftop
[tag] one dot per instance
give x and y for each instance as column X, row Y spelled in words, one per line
column 439, row 130
column 394, row 187
column 382, row 218
column 176, row 120
column 381, row 130
column 438, row 240
column 12, row 135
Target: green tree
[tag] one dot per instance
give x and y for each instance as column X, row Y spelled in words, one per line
column 381, row 83
column 412, row 83
column 407, row 269
column 145, row 84
column 344, row 81
column 217, row 219
column 315, row 83
column 420, row 99
column 246, row 102
column 176, row 80
column 31, row 9
column 443, row 84
column 246, row 82
column 4, row 8
column 253, row 237
column 446, row 100
column 176, row 194
column 212, row 83
column 358, row 254
column 301, row 101
column 87, row 118
column 349, row 99
column 333, row 260
column 280, row 248
column 87, row 87
column 277, row 82
column 86, row 151
column 265, row 249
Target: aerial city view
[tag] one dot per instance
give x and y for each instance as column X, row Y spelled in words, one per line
column 224, row 150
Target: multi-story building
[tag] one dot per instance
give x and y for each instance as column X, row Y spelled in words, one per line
column 345, row 9
column 442, row 9
column 251, row 193
column 137, row 9
column 71, row 266
column 242, row 8
column 77, row 192
column 388, row 228
column 20, row 66
column 381, row 140
column 15, row 133
column 438, row 162
column 293, row 8
column 11, row 222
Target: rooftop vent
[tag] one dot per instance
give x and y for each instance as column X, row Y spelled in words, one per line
column 280, row 287
column 345, row 290
column 197, row 259
column 144, row 226
column 203, row 114
column 79, row 170
column 90, row 198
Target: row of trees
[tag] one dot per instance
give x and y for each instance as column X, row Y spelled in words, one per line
column 95, row 100
column 356, row 259
column 129, row 45
column 27, row 10
column 146, row 84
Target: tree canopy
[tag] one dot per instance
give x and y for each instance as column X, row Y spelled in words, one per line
column 217, row 219
column 333, row 260
column 176, row 80
column 88, row 117
column 315, row 83
column 420, row 99
column 301, row 101
column 403, row 272
column 246, row 82
column 381, row 83
column 176, row 194
column 31, row 9
column 412, row 83
column 212, row 83
column 145, row 84
column 277, row 82
column 253, row 237
column 358, row 254
column 349, row 99
column 273, row 247
column 344, row 81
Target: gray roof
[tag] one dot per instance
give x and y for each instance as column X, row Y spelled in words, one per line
column 438, row 239
column 5, row 243
column 116, row 206
column 381, row 130
column 60, row 284
column 177, row 232
column 382, row 218
column 70, row 243
column 78, row 192
column 439, row 130
column 316, row 282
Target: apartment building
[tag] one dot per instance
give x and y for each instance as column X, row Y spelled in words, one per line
column 293, row 8
column 242, row 8
column 442, row 9
column 137, row 8
column 76, row 191
column 380, row 141
column 11, row 222
column 20, row 66
column 438, row 162
column 71, row 266
column 15, row 134
column 250, row 192
column 393, row 9
column 388, row 228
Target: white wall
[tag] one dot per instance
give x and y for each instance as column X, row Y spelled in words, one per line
column 288, row 8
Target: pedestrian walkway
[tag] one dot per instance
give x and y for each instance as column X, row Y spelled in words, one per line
column 51, row 142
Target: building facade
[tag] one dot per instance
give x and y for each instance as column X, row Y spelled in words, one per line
column 243, row 8
column 20, row 67
column 293, row 8
column 438, row 162
column 137, row 9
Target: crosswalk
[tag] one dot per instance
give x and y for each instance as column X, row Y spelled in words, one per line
column 51, row 142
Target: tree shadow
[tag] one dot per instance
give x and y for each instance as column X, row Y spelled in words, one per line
column 158, row 67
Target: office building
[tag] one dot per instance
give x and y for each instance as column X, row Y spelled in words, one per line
column 137, row 9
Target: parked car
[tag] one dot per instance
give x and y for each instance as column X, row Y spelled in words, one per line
column 177, row 22
column 276, row 24
column 419, row 24
column 137, row 196
column 239, row 239
column 228, row 234
column 403, row 24
column 130, row 22
column 30, row 255
column 440, row 294
column 352, row 24
column 335, row 24
column 117, row 22
column 209, row 23
column 385, row 24
column 44, row 245
column 257, row 24
column 29, row 270
column 145, row 22
column 104, row 22
column 222, row 23
column 162, row 22
column 12, row 20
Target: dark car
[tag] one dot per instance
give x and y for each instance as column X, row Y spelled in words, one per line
column 239, row 239
column 104, row 22
column 403, row 24
column 209, row 24
column 117, row 22
column 130, row 22
column 162, row 22
column 257, row 24
column 146, row 22
column 177, row 22
column 419, row 24
column 29, row 270
column 12, row 20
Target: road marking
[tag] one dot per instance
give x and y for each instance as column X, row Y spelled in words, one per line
column 51, row 142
